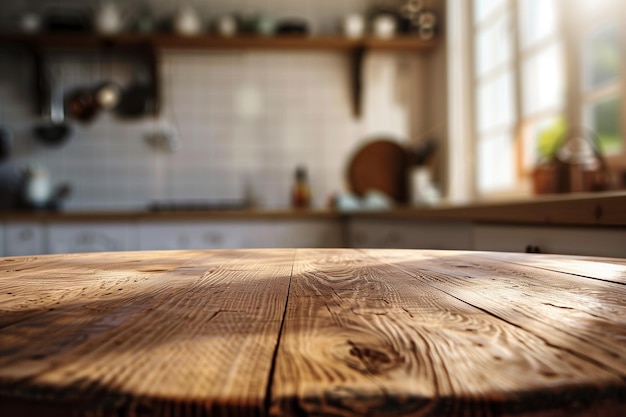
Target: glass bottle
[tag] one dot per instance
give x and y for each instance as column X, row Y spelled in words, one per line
column 301, row 192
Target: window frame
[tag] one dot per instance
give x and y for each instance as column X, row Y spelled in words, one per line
column 580, row 32
column 571, row 33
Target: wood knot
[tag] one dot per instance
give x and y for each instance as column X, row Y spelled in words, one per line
column 371, row 360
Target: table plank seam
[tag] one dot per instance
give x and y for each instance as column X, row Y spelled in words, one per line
column 299, row 332
column 270, row 377
column 544, row 268
column 543, row 339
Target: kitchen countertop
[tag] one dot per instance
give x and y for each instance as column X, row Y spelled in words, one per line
column 301, row 332
column 589, row 209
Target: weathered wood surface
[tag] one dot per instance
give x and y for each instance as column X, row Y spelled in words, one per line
column 373, row 334
column 312, row 332
column 608, row 269
column 160, row 333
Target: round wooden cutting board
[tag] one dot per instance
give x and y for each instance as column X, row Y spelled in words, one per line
column 380, row 165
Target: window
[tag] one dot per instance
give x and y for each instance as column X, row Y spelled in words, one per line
column 540, row 66
column 494, row 94
column 542, row 79
column 602, row 86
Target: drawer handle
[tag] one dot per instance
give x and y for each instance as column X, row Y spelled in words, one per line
column 532, row 249
column 26, row 234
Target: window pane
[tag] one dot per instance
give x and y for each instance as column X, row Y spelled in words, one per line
column 496, row 162
column 494, row 45
column 602, row 57
column 605, row 121
column 544, row 81
column 538, row 20
column 589, row 6
column 496, row 103
column 483, row 8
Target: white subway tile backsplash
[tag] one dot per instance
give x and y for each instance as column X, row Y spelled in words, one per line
column 243, row 119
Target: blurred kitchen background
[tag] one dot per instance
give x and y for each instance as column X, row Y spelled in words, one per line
column 496, row 94
column 233, row 124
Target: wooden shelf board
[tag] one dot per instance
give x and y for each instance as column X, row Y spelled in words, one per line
column 252, row 42
column 168, row 41
column 399, row 43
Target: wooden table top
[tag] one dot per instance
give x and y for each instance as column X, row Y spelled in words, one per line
column 303, row 332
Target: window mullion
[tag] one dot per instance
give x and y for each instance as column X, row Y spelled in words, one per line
column 622, row 158
column 610, row 90
column 517, row 81
column 474, row 191
column 572, row 41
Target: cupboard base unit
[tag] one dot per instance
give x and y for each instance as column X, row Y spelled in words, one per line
column 403, row 234
column 479, row 228
column 24, row 239
column 590, row 241
column 197, row 235
column 90, row 237
column 304, row 234
column 239, row 234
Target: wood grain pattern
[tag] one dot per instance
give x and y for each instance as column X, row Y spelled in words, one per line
column 576, row 313
column 312, row 332
column 196, row 336
column 606, row 269
column 361, row 339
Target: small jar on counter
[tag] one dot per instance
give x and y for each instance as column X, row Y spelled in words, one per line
column 301, row 192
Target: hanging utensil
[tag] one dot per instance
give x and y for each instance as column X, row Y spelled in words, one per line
column 54, row 131
column 6, row 143
column 108, row 95
column 137, row 99
column 82, row 105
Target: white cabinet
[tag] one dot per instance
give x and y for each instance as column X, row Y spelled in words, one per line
column 409, row 234
column 303, row 234
column 199, row 235
column 24, row 238
column 239, row 234
column 91, row 237
column 550, row 239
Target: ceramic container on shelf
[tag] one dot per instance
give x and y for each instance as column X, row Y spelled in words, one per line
column 354, row 26
column 265, row 26
column 30, row 23
column 227, row 26
column 187, row 22
column 108, row 19
column 384, row 26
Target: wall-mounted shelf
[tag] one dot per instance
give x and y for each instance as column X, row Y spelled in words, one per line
column 74, row 40
column 155, row 42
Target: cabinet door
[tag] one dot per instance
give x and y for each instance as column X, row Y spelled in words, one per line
column 407, row 234
column 85, row 237
column 556, row 240
column 199, row 235
column 24, row 239
column 303, row 234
